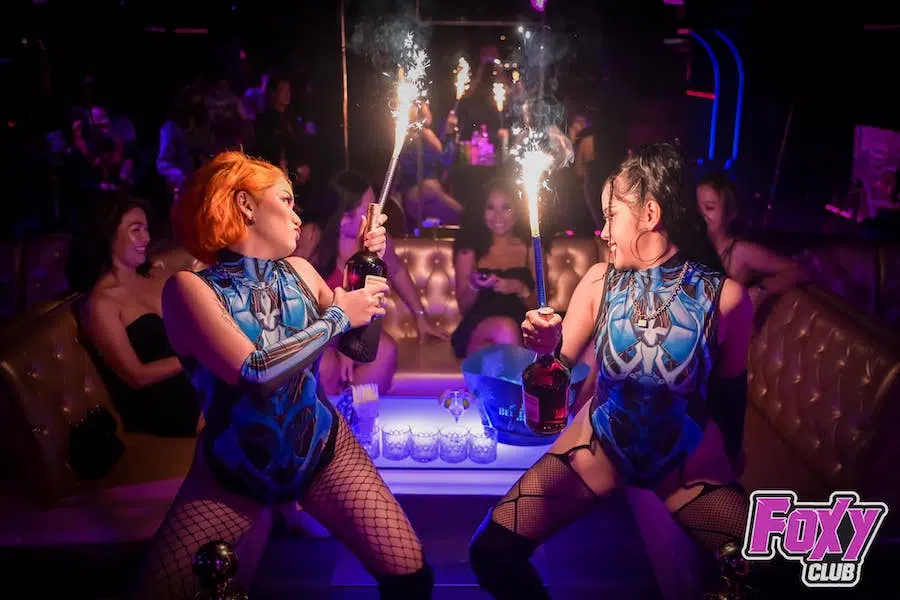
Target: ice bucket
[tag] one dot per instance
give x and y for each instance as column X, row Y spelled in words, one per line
column 494, row 376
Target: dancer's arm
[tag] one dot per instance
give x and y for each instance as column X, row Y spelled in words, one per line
column 325, row 297
column 199, row 326
column 727, row 394
column 576, row 329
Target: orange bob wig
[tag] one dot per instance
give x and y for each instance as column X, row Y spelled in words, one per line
column 206, row 218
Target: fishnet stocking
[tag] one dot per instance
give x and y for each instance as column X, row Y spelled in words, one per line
column 201, row 512
column 717, row 515
column 547, row 498
column 351, row 500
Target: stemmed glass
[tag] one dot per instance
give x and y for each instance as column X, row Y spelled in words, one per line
column 456, row 402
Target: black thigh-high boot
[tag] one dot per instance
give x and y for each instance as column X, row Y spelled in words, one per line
column 501, row 560
column 413, row 586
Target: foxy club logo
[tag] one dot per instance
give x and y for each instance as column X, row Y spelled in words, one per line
column 830, row 539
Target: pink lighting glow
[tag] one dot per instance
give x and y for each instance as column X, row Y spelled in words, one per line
column 538, row 5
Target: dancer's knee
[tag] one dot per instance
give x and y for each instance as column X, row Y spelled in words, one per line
column 413, row 586
column 495, row 552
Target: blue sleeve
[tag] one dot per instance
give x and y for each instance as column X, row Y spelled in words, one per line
column 268, row 369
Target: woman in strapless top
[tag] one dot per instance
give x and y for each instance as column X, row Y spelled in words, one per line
column 121, row 319
column 494, row 280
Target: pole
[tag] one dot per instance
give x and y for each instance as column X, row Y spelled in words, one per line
column 346, row 103
column 778, row 161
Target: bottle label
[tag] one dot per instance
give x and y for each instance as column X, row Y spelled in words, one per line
column 532, row 407
column 374, row 280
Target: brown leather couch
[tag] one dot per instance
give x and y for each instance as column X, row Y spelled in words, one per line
column 824, row 402
column 48, row 381
column 824, row 399
column 430, row 368
column 32, row 271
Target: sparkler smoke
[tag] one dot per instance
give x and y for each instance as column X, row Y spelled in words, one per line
column 395, row 44
column 539, row 144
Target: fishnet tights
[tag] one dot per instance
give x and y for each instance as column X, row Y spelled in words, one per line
column 348, row 497
column 716, row 516
column 201, row 512
column 351, row 500
column 547, row 498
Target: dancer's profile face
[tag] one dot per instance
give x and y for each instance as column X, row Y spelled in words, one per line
column 353, row 218
column 274, row 218
column 620, row 229
column 129, row 248
column 499, row 214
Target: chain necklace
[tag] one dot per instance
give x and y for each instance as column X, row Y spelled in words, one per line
column 643, row 319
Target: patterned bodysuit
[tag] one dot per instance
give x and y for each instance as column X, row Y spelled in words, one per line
column 269, row 436
column 650, row 409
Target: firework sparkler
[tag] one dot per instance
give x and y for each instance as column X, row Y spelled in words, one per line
column 410, row 90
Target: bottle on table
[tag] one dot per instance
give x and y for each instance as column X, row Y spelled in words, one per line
column 545, row 391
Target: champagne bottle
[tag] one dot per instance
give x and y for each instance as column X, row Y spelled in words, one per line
column 362, row 269
column 545, row 392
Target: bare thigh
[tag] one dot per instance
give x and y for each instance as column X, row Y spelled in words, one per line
column 707, row 464
column 202, row 512
column 561, row 487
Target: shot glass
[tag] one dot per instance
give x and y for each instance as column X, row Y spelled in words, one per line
column 425, row 444
column 454, row 440
column 371, row 441
column 483, row 446
column 395, row 441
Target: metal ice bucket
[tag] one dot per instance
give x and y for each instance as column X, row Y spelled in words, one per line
column 494, row 376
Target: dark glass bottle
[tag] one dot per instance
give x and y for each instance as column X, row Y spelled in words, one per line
column 545, row 393
column 361, row 269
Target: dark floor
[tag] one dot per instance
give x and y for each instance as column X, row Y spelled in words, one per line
column 600, row 557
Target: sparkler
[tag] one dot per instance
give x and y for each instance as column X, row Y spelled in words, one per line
column 410, row 90
column 499, row 96
column 533, row 162
column 463, row 76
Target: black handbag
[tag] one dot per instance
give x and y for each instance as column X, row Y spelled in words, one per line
column 94, row 444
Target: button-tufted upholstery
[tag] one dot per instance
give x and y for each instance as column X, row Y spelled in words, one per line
column 47, row 383
column 824, row 401
column 431, row 368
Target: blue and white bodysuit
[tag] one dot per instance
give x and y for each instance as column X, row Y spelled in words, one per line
column 270, row 435
column 650, row 409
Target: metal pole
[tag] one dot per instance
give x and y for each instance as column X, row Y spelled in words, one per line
column 346, row 102
column 778, row 161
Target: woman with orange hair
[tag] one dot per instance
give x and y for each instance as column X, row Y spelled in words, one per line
column 250, row 330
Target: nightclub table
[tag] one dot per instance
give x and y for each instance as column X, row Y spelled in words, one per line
column 437, row 477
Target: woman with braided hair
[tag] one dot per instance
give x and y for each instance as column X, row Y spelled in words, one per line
column 671, row 334
column 250, row 330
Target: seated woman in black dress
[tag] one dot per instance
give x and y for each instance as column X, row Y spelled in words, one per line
column 494, row 279
column 110, row 262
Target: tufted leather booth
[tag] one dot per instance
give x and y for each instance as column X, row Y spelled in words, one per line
column 47, row 383
column 431, row 368
column 32, row 271
column 824, row 390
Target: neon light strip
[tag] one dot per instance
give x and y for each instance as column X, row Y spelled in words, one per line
column 698, row 94
column 735, row 140
column 713, row 121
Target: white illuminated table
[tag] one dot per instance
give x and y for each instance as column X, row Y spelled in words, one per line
column 438, row 477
